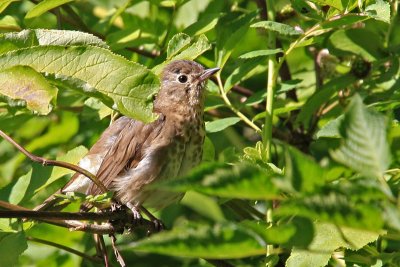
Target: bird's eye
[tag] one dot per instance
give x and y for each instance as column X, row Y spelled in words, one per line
column 182, row 78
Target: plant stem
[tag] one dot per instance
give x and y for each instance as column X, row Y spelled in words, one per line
column 231, row 107
column 271, row 84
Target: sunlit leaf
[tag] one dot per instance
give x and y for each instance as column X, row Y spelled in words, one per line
column 277, row 27
column 45, row 6
column 5, row 3
column 260, row 53
column 105, row 71
column 177, row 43
column 24, row 83
column 380, row 10
column 328, row 238
column 34, row 37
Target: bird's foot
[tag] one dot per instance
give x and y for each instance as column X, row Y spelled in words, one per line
column 158, row 225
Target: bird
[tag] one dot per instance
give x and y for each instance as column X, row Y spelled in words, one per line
column 131, row 155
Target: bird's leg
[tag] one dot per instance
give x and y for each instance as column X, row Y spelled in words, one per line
column 135, row 211
column 158, row 224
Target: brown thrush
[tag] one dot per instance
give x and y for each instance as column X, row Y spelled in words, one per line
column 131, row 155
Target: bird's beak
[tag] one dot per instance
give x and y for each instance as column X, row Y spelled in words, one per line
column 207, row 74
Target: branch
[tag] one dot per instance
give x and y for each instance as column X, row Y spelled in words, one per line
column 48, row 162
column 120, row 219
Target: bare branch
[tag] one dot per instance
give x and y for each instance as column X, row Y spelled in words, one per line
column 48, row 162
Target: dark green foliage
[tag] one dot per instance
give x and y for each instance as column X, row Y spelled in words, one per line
column 331, row 183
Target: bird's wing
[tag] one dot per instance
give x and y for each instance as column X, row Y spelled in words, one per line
column 93, row 159
column 126, row 151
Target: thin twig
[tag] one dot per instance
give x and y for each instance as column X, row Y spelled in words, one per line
column 68, row 249
column 118, row 255
column 48, row 162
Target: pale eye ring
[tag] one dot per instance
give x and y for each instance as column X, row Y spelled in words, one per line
column 182, row 78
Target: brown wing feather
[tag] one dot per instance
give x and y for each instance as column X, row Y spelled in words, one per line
column 104, row 144
column 126, row 151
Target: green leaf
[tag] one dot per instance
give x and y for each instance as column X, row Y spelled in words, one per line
column 328, row 238
column 331, row 129
column 193, row 51
column 9, row 23
column 34, row 37
column 340, row 5
column 352, row 41
column 73, row 156
column 219, row 241
column 205, row 24
column 221, row 124
column 204, row 205
column 230, row 29
column 129, row 84
column 277, row 27
column 177, row 43
column 237, row 181
column 11, row 247
column 344, row 204
column 45, row 6
column 364, row 147
column 260, row 53
column 323, row 95
column 343, row 20
column 305, row 174
column 239, row 74
column 5, row 3
column 24, row 83
column 380, row 10
column 308, row 9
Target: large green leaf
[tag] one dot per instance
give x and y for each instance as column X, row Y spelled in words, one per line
column 130, row 85
column 34, row 37
column 45, row 6
column 364, row 147
column 24, row 83
column 219, row 241
column 328, row 238
column 237, row 181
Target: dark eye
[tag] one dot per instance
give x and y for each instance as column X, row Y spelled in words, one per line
column 182, row 78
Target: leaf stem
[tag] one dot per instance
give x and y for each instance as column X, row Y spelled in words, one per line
column 231, row 107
